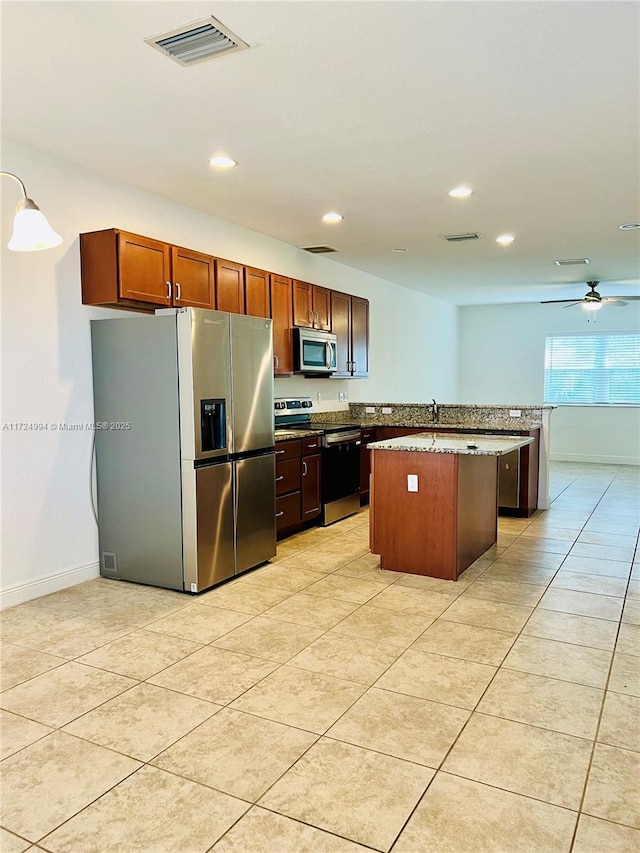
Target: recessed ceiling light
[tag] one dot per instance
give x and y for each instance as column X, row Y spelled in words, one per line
column 222, row 162
column 629, row 226
column 571, row 262
column 332, row 217
column 399, row 250
column 505, row 239
column 460, row 192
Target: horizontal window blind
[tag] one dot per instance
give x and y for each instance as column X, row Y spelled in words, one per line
column 592, row 369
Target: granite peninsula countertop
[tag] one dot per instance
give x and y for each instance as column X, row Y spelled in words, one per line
column 508, row 418
column 464, row 445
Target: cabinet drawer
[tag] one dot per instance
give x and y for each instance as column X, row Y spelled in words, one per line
column 311, row 444
column 288, row 449
column 287, row 476
column 287, row 511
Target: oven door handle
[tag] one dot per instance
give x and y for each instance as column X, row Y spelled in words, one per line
column 342, row 438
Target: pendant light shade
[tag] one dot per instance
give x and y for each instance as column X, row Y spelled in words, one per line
column 31, row 231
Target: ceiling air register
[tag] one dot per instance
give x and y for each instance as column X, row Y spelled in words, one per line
column 197, row 41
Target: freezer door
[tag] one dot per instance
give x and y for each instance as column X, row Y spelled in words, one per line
column 214, row 526
column 204, row 368
column 255, row 501
column 252, row 366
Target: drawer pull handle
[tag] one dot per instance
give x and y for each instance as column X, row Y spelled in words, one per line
column 311, row 445
column 280, row 514
column 304, row 469
column 281, row 477
column 278, row 452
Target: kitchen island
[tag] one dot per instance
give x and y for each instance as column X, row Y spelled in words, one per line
column 434, row 500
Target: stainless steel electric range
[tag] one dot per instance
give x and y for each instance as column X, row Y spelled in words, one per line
column 340, row 451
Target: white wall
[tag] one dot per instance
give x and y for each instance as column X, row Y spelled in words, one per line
column 49, row 538
column 501, row 360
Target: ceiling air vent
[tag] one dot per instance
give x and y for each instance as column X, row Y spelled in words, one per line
column 571, row 262
column 459, row 238
column 197, row 41
column 319, row 250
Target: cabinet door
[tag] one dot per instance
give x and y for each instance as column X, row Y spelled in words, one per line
column 282, row 316
column 359, row 337
column 192, row 278
column 144, row 268
column 257, row 302
column 229, row 287
column 302, row 304
column 322, row 308
column 310, row 487
column 365, row 463
column 341, row 322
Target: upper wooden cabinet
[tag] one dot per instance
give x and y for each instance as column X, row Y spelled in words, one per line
column 257, row 298
column 192, row 274
column 350, row 322
column 311, row 306
column 229, row 287
column 359, row 337
column 282, row 317
column 124, row 270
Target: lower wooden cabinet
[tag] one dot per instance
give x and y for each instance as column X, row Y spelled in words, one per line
column 368, row 435
column 298, row 482
column 311, row 473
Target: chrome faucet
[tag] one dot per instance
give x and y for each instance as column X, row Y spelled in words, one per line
column 434, row 411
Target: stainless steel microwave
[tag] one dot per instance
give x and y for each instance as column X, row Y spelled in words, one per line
column 314, row 352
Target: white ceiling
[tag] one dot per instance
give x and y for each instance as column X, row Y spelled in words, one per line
column 374, row 109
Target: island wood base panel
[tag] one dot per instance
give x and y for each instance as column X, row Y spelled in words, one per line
column 442, row 528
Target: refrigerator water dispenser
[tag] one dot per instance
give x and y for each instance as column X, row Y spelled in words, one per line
column 213, row 424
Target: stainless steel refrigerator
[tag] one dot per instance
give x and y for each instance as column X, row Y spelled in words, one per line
column 184, row 446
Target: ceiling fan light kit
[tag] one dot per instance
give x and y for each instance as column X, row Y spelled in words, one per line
column 592, row 300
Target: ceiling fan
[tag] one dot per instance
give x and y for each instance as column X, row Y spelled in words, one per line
column 592, row 300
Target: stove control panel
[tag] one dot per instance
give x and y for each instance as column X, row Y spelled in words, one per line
column 293, row 405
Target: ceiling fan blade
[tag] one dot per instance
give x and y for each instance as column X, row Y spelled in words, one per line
column 549, row 301
column 624, row 299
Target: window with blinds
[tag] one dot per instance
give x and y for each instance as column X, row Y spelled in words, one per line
column 594, row 369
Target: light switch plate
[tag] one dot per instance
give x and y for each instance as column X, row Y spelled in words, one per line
column 515, row 413
column 386, row 410
column 369, row 410
column 412, row 482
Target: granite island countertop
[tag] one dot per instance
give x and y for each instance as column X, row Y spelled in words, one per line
column 464, row 445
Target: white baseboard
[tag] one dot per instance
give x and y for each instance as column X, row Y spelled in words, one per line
column 602, row 460
column 18, row 593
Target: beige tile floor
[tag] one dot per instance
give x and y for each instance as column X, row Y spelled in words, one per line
column 322, row 705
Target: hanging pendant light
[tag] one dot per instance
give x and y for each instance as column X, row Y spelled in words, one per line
column 31, row 231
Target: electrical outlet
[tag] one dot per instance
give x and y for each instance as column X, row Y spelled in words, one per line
column 387, row 410
column 369, row 410
column 515, row 413
column 412, row 482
